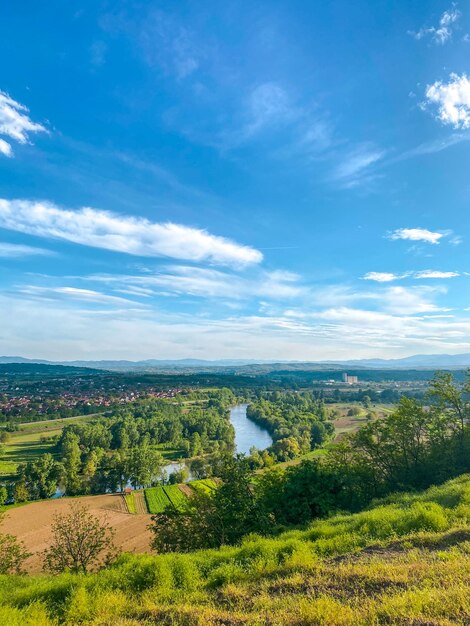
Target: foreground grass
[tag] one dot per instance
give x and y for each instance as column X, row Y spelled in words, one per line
column 405, row 561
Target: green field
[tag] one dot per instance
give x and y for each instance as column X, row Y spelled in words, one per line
column 177, row 498
column 130, row 503
column 30, row 442
column 161, row 498
column 205, row 485
column 157, row 500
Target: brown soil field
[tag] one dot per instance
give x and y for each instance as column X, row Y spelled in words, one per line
column 140, row 503
column 32, row 524
column 186, row 489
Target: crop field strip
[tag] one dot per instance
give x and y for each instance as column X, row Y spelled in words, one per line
column 140, row 503
column 130, row 503
column 158, row 499
column 177, row 498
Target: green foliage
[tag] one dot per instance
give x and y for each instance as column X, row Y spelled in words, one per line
column 12, row 554
column 41, row 477
column 412, row 447
column 297, row 421
column 80, row 542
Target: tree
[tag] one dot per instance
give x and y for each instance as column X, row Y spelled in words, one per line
column 286, row 449
column 71, row 463
column 41, row 477
column 81, row 542
column 3, row 495
column 300, row 493
column 199, row 468
column 12, row 554
column 20, row 491
column 143, row 465
column 212, row 520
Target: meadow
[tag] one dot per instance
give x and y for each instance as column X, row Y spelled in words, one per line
column 404, row 561
column 32, row 440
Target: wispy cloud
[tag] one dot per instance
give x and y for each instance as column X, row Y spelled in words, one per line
column 355, row 168
column 441, row 33
column 452, row 100
column 15, row 123
column 164, row 43
column 131, row 235
column 209, row 283
column 74, row 293
column 418, row 234
column 5, row 148
column 13, row 251
column 267, row 106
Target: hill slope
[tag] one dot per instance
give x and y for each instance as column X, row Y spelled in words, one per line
column 406, row 561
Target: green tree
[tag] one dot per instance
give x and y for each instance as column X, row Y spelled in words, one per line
column 41, row 477
column 143, row 465
column 71, row 463
column 81, row 542
column 212, row 520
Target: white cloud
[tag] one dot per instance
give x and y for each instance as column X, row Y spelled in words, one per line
column 15, row 123
column 417, row 234
column 13, row 250
column 382, row 277
column 443, row 32
column 387, row 277
column 435, row 274
column 452, row 100
column 5, row 148
column 267, row 106
column 408, row 301
column 130, row 235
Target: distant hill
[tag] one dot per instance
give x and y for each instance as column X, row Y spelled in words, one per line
column 418, row 361
column 44, row 369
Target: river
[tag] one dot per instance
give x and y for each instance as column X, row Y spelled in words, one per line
column 247, row 435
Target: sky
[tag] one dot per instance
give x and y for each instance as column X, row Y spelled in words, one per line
column 276, row 180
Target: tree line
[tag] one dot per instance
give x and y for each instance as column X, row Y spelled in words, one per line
column 106, row 454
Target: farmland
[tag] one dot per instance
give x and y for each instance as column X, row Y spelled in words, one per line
column 163, row 497
column 33, row 440
column 31, row 523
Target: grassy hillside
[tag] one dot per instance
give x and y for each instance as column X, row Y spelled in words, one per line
column 405, row 561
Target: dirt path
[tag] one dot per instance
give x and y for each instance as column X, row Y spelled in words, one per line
column 32, row 524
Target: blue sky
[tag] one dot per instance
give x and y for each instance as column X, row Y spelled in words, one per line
column 272, row 180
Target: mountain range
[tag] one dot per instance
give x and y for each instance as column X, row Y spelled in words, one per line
column 420, row 361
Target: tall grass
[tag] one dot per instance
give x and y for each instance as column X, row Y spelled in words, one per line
column 406, row 560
